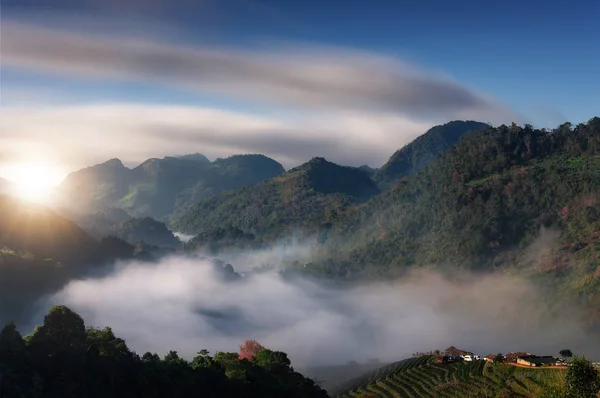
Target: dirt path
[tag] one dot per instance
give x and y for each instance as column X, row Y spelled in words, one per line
column 517, row 365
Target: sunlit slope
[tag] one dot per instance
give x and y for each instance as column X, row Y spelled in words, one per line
column 422, row 377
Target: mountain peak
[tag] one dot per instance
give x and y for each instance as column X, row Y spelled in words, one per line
column 421, row 151
column 194, row 157
column 114, row 162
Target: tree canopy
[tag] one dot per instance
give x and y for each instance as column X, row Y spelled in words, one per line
column 63, row 358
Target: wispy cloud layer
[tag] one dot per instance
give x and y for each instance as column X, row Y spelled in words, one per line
column 349, row 106
column 300, row 76
column 94, row 133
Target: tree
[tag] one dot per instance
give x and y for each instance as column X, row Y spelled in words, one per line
column 274, row 361
column 583, row 380
column 62, row 331
column 249, row 349
column 499, row 358
column 566, row 353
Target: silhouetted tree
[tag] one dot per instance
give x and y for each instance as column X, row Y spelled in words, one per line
column 566, row 353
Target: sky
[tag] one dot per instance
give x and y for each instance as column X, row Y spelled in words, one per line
column 83, row 81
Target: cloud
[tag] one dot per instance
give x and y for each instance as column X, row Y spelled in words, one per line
column 299, row 76
column 182, row 304
column 87, row 134
column 351, row 107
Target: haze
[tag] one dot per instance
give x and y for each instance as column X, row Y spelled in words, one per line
column 182, row 304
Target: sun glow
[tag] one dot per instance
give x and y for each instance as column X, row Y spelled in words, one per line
column 33, row 181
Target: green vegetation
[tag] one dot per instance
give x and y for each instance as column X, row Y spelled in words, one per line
column 478, row 205
column 278, row 206
column 423, row 377
column 63, row 358
column 419, row 153
column 116, row 222
column 159, row 187
column 583, row 380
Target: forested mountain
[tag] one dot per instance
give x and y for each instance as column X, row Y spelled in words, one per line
column 158, row 187
column 41, row 251
column 491, row 192
column 481, row 205
column 280, row 205
column 420, row 152
column 478, row 205
column 63, row 358
column 116, row 222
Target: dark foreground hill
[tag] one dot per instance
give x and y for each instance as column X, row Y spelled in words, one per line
column 158, row 187
column 280, row 205
column 63, row 358
column 422, row 377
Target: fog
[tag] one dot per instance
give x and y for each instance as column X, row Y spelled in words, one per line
column 182, row 237
column 184, row 304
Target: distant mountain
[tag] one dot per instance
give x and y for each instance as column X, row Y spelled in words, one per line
column 116, row 222
column 158, row 187
column 420, row 152
column 146, row 230
column 195, row 157
column 285, row 203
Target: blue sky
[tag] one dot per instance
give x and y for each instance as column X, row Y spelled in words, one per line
column 529, row 61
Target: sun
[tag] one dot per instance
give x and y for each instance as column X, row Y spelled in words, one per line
column 34, row 181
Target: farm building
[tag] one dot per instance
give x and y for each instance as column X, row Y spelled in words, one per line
column 490, row 358
column 534, row 360
column 455, row 352
column 511, row 357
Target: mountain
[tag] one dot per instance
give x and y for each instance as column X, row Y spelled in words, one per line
column 158, row 187
column 484, row 204
column 41, row 251
column 116, row 222
column 146, row 230
column 280, row 205
column 196, row 157
column 423, row 377
column 491, row 192
column 420, row 152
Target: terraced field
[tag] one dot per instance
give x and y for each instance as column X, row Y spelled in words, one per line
column 422, row 377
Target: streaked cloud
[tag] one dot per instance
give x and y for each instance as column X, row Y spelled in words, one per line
column 299, row 76
column 87, row 134
column 352, row 107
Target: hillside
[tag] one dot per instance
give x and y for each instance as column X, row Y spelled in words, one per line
column 41, row 251
column 117, row 222
column 466, row 207
column 158, row 187
column 422, row 377
column 479, row 205
column 281, row 205
column 420, row 152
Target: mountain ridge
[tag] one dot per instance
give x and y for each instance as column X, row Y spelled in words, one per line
column 298, row 195
column 157, row 187
column 422, row 150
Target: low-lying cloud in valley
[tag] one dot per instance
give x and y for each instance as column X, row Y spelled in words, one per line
column 181, row 303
